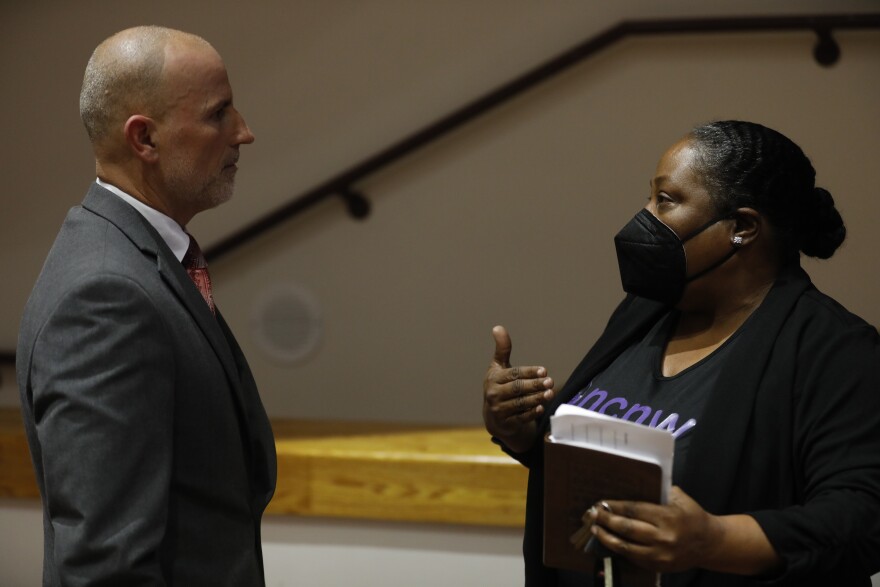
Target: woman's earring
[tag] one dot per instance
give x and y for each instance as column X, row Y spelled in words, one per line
column 737, row 241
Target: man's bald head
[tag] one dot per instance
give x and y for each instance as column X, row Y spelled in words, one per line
column 124, row 77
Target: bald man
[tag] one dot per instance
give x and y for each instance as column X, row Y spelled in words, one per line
column 152, row 450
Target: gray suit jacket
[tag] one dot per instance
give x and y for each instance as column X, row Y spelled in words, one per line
column 152, row 450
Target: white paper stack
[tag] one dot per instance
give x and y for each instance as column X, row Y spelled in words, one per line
column 580, row 427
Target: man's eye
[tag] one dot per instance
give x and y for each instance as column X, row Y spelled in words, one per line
column 219, row 114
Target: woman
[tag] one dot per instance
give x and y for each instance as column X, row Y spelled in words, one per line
column 771, row 388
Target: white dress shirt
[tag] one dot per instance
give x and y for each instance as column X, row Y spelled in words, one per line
column 171, row 232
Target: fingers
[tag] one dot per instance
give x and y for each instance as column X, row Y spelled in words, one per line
column 637, row 531
column 621, row 535
column 504, row 409
column 522, row 378
column 664, row 538
column 518, row 388
column 639, row 510
column 623, row 524
column 618, row 544
column 510, row 384
column 523, row 407
column 519, row 397
column 513, row 396
column 502, row 346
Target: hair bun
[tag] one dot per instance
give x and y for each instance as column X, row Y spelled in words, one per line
column 820, row 230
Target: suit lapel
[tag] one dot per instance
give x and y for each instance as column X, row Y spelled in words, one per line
column 262, row 443
column 145, row 237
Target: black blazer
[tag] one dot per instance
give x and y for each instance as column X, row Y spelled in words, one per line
column 153, row 454
column 791, row 436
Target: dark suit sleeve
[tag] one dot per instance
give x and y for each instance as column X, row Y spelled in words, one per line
column 102, row 377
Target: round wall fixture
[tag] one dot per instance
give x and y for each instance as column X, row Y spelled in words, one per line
column 286, row 323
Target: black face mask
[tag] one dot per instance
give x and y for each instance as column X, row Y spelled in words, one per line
column 652, row 260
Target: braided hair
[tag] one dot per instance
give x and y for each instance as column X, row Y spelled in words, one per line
column 744, row 164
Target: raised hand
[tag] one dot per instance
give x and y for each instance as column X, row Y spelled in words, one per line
column 513, row 397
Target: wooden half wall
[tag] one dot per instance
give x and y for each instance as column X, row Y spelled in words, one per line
column 374, row 471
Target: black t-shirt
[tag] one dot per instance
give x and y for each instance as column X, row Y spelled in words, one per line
column 633, row 388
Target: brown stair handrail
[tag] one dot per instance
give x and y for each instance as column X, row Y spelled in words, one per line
column 826, row 52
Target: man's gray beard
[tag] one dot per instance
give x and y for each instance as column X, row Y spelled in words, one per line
column 202, row 197
column 217, row 192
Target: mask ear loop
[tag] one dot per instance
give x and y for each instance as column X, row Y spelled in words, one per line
column 703, row 227
column 737, row 243
column 715, row 265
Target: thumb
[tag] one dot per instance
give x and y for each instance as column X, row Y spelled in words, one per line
column 502, row 346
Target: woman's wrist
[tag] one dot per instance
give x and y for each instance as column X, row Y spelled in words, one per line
column 521, row 440
column 738, row 545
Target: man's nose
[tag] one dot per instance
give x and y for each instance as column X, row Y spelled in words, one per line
column 245, row 136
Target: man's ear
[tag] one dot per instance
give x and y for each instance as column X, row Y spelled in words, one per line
column 748, row 225
column 139, row 136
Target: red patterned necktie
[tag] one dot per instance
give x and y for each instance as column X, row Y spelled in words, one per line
column 197, row 268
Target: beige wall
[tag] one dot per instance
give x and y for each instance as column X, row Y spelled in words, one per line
column 507, row 221
column 512, row 222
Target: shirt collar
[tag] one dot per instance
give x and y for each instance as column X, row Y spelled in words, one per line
column 171, row 232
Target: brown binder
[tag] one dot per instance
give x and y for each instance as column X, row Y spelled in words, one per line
column 575, row 478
